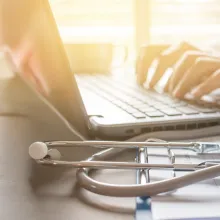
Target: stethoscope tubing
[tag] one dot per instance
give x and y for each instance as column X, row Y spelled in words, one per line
column 148, row 189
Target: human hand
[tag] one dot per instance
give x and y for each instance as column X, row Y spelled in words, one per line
column 193, row 70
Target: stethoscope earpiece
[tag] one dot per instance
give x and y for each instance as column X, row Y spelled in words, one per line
column 38, row 150
column 54, row 154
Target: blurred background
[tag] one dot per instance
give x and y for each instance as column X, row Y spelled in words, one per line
column 134, row 22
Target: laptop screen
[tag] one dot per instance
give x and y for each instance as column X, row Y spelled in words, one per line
column 32, row 42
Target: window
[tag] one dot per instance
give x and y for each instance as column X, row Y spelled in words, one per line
column 147, row 21
column 95, row 20
column 196, row 21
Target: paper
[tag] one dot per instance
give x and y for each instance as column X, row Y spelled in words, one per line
column 201, row 200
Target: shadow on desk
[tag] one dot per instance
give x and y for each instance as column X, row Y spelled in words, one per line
column 29, row 191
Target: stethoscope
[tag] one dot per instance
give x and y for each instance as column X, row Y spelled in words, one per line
column 45, row 153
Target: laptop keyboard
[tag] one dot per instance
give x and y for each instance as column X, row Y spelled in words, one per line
column 138, row 102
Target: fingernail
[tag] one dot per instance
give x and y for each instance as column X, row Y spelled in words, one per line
column 196, row 93
column 151, row 84
column 166, row 89
column 189, row 96
column 176, row 93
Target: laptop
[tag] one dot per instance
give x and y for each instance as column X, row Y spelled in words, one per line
column 101, row 105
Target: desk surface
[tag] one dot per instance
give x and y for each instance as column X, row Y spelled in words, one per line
column 29, row 191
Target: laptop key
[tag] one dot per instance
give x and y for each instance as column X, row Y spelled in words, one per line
column 118, row 103
column 171, row 111
column 160, row 106
column 136, row 102
column 177, row 104
column 124, row 106
column 144, row 99
column 149, row 109
column 139, row 115
column 187, row 110
column 142, row 105
column 170, row 100
column 154, row 103
column 127, row 99
column 131, row 110
column 155, row 114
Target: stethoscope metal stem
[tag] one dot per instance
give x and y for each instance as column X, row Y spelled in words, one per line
column 201, row 171
column 124, row 165
column 118, row 144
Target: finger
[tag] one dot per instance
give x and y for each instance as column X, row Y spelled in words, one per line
column 166, row 87
column 203, row 67
column 181, row 67
column 208, row 86
column 146, row 56
column 167, row 59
